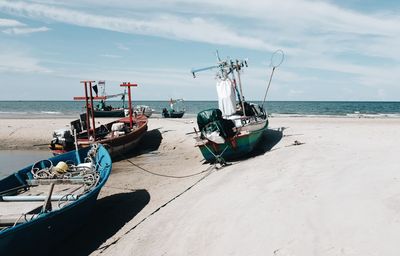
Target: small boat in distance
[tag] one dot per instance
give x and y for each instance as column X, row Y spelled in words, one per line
column 235, row 128
column 119, row 136
column 44, row 203
column 102, row 109
column 176, row 109
column 143, row 110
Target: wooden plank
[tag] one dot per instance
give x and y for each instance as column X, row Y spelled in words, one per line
column 128, row 84
column 47, row 203
column 55, row 181
column 13, row 190
column 41, row 198
column 95, row 98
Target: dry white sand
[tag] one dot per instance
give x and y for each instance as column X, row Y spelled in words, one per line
column 28, row 133
column 336, row 194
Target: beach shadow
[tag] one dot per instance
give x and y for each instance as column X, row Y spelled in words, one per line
column 150, row 141
column 109, row 215
column 268, row 140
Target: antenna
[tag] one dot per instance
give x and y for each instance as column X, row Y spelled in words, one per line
column 276, row 60
column 226, row 67
column 217, row 55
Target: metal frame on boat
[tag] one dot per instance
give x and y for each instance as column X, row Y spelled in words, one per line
column 119, row 136
column 104, row 110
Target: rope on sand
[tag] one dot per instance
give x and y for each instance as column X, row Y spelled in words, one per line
column 209, row 170
column 164, row 175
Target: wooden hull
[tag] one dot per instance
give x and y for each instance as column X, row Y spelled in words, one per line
column 233, row 148
column 119, row 146
column 109, row 113
column 116, row 146
column 49, row 229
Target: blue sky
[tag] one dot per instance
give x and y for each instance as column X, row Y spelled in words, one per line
column 334, row 50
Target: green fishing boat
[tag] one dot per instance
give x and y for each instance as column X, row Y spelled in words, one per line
column 234, row 129
column 176, row 109
column 245, row 135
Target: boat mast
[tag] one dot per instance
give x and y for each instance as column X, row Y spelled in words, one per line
column 128, row 84
column 123, row 99
column 88, row 98
column 226, row 67
column 89, row 108
column 236, row 89
column 237, row 67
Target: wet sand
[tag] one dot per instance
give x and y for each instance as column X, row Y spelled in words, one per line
column 13, row 160
column 336, row 194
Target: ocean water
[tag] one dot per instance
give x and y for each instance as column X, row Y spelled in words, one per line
column 62, row 109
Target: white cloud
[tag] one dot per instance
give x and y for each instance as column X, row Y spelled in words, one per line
column 10, row 23
column 319, row 27
column 122, row 47
column 167, row 26
column 317, row 36
column 112, row 56
column 24, row 30
column 20, row 62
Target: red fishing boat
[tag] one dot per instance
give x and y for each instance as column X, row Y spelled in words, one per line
column 119, row 136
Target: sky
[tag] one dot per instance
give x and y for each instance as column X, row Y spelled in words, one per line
column 345, row 50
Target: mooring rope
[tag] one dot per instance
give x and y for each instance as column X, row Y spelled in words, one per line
column 165, row 175
column 209, row 170
column 218, row 158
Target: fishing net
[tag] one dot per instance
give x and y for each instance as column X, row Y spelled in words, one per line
column 277, row 58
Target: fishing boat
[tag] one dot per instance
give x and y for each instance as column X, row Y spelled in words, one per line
column 109, row 112
column 45, row 202
column 119, row 136
column 143, row 109
column 102, row 109
column 176, row 109
column 234, row 129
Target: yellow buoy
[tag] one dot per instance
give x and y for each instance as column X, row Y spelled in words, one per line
column 61, row 167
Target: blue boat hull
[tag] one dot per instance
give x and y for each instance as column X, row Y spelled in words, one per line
column 50, row 229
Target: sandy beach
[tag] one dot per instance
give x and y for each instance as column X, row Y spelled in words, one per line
column 333, row 192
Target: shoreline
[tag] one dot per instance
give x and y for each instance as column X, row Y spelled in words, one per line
column 27, row 133
column 193, row 116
